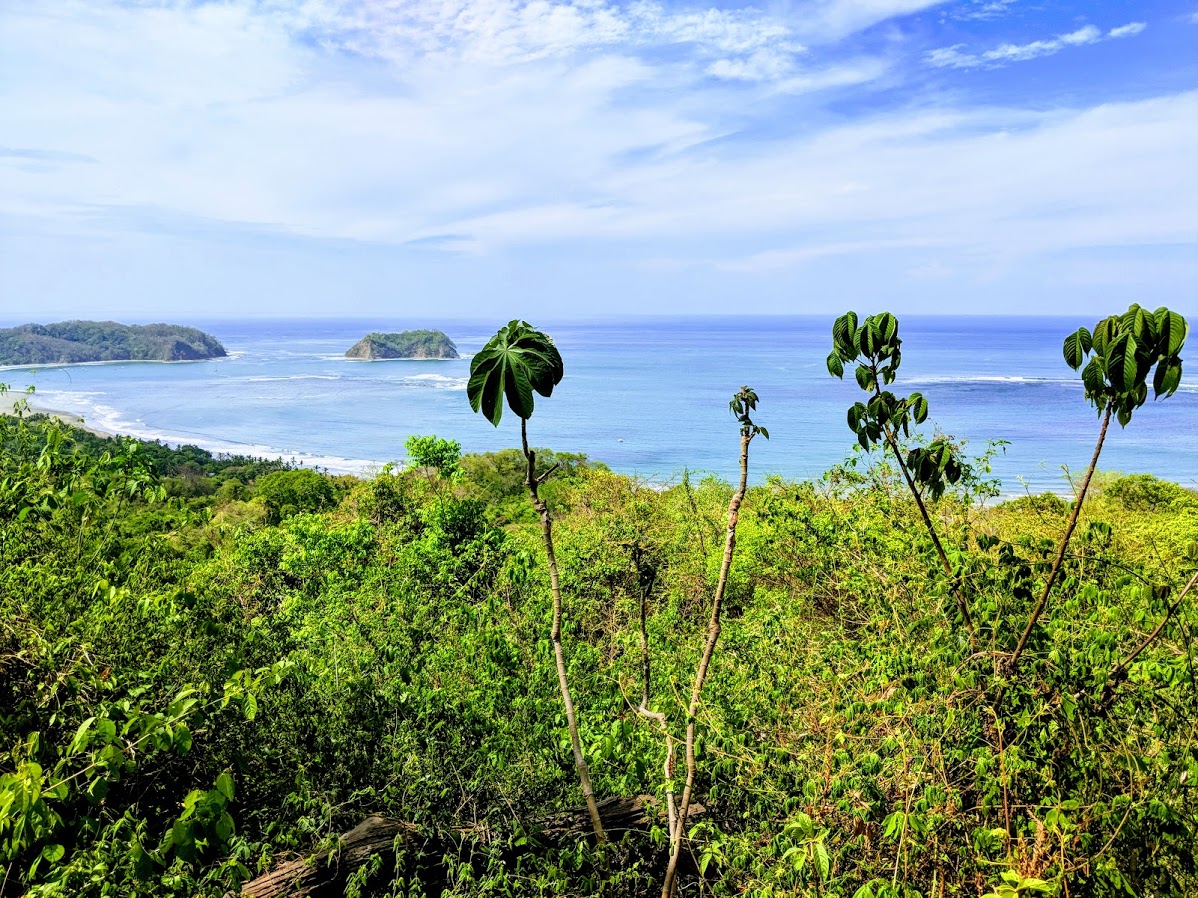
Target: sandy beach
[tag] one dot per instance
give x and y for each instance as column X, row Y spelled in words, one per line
column 9, row 402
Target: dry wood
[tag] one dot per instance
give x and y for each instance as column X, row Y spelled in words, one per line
column 325, row 873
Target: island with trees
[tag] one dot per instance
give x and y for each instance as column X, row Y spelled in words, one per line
column 75, row 342
column 417, row 344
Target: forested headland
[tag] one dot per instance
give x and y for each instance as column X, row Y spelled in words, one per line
column 882, row 684
column 417, row 344
column 74, row 342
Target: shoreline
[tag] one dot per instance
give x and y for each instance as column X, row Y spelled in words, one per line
column 8, row 407
column 45, row 366
column 357, row 467
column 363, row 469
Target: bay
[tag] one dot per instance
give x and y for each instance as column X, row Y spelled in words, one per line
column 647, row 396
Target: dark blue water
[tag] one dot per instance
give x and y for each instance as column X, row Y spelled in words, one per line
column 647, row 396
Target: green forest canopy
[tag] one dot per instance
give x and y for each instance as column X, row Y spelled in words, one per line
column 209, row 666
column 69, row 342
column 190, row 690
column 415, row 344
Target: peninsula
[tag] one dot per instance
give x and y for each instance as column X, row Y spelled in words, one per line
column 418, row 344
column 75, row 342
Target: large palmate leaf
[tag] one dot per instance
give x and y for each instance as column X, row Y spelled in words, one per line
column 518, row 361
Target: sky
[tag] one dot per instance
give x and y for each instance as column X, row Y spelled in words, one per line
column 537, row 158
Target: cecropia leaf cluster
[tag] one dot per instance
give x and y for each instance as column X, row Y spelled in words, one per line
column 875, row 346
column 1122, row 351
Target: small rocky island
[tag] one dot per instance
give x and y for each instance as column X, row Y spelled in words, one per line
column 419, row 344
column 75, row 342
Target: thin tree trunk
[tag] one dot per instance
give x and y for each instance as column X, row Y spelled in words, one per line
column 656, row 716
column 713, row 634
column 584, row 772
column 1056, row 565
column 962, row 605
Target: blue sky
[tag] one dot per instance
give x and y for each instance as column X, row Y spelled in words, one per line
column 554, row 159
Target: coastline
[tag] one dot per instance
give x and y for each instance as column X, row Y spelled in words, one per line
column 46, row 366
column 8, row 407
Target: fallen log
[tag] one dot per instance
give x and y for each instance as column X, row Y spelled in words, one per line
column 325, row 873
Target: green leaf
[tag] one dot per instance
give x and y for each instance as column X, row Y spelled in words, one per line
column 53, row 853
column 515, row 363
column 1092, row 378
column 887, row 328
column 843, row 334
column 224, row 785
column 1074, row 353
column 856, row 411
column 1168, row 378
column 1121, row 363
column 224, row 827
column 835, row 365
column 1104, row 332
column 1171, row 331
column 919, row 407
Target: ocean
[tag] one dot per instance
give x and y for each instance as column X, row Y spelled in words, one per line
column 647, row 396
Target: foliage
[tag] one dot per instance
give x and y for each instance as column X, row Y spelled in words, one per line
column 104, row 341
column 1125, row 349
column 189, row 691
column 876, row 346
column 434, row 452
column 514, row 363
column 292, row 492
column 415, row 344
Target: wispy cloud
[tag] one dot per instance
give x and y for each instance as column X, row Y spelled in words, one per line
column 522, row 134
column 982, row 10
column 955, row 56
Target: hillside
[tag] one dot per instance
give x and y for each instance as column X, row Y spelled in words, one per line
column 73, row 342
column 417, row 344
column 198, row 689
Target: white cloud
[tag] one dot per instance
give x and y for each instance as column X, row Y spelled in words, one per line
column 983, row 10
column 953, row 57
column 1128, row 30
column 495, row 129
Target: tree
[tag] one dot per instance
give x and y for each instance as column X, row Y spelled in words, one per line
column 1122, row 351
column 434, row 452
column 518, row 361
column 875, row 346
column 742, row 406
column 288, row 492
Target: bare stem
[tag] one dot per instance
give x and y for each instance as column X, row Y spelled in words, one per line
column 1120, row 669
column 1056, row 565
column 584, row 772
column 713, row 634
column 962, row 605
column 656, row 716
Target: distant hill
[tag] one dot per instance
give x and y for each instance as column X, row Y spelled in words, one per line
column 72, row 342
column 420, row 344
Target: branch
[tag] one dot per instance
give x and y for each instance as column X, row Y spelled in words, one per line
column 1119, row 671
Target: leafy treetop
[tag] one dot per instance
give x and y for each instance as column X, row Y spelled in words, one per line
column 516, row 361
column 1123, row 350
column 876, row 347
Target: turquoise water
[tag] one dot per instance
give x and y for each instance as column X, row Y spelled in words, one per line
column 646, row 396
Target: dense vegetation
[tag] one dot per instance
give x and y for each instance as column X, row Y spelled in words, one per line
column 417, row 344
column 69, row 342
column 208, row 666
